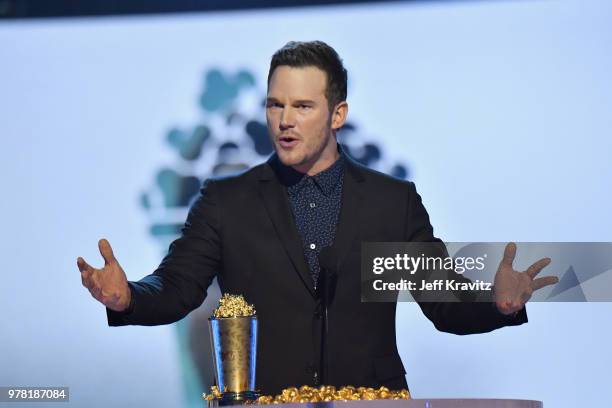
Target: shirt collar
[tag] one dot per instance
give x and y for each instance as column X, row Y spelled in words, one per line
column 326, row 180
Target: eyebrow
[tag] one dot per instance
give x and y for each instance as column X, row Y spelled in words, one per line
column 298, row 102
column 304, row 101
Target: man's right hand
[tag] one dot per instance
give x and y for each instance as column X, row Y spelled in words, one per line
column 108, row 285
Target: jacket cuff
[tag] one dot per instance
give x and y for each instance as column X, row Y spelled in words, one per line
column 513, row 319
column 122, row 318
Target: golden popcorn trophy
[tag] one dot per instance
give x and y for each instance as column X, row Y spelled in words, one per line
column 233, row 328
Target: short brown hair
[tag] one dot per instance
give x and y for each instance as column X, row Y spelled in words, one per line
column 318, row 54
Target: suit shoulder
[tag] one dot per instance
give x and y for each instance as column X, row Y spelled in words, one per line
column 382, row 180
column 236, row 182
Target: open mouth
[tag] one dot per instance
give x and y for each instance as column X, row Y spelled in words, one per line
column 287, row 141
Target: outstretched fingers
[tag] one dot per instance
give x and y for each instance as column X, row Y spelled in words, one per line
column 534, row 269
column 84, row 266
column 106, row 251
column 539, row 283
column 88, row 275
column 509, row 254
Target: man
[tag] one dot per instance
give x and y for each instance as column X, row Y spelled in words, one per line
column 262, row 232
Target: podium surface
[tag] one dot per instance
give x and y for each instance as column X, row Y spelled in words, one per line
column 417, row 403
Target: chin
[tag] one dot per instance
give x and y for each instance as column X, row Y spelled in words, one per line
column 289, row 158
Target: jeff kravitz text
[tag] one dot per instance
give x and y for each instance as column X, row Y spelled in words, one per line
column 435, row 285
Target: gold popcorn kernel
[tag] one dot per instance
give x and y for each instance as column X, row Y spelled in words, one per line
column 233, row 306
column 329, row 393
column 214, row 393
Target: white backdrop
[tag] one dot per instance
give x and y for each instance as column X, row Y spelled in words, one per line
column 500, row 109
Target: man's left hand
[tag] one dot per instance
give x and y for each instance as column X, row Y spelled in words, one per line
column 513, row 288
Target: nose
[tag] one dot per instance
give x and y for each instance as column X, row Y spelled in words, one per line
column 287, row 120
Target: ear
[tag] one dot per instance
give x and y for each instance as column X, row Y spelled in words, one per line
column 339, row 115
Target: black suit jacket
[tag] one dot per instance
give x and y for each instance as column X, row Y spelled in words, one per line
column 241, row 230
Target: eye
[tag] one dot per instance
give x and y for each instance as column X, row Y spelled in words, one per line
column 274, row 105
column 304, row 106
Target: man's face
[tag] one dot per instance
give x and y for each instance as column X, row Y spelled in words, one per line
column 298, row 117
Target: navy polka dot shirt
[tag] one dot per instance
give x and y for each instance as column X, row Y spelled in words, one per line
column 315, row 203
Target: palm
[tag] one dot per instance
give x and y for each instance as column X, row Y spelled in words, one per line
column 108, row 285
column 513, row 288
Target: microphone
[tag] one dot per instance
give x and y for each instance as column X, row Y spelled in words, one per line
column 326, row 289
column 328, row 277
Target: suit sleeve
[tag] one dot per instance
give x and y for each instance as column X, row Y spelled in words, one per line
column 467, row 317
column 179, row 284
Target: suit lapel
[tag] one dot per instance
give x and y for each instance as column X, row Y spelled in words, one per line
column 347, row 230
column 274, row 196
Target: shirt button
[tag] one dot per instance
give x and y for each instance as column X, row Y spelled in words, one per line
column 312, row 205
column 312, row 246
